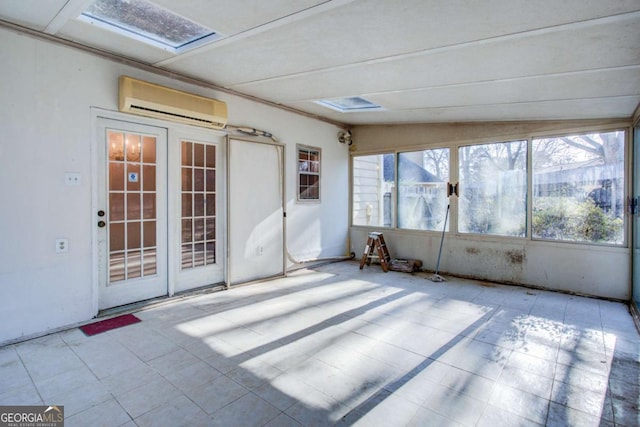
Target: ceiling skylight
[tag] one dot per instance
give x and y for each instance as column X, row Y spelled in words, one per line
column 351, row 104
column 147, row 22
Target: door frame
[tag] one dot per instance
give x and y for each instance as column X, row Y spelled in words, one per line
column 283, row 199
column 174, row 131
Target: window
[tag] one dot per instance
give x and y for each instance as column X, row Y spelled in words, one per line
column 578, row 188
column 345, row 105
column 308, row 174
column 147, row 22
column 372, row 191
column 198, row 245
column 422, row 189
column 493, row 189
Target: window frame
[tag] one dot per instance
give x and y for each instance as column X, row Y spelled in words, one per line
column 299, row 173
column 528, row 137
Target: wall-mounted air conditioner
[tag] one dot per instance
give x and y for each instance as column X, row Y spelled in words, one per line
column 148, row 99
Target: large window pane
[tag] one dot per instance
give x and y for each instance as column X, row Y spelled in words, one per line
column 578, row 188
column 493, row 189
column 373, row 182
column 422, row 189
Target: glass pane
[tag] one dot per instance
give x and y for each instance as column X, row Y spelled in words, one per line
column 422, row 189
column 211, row 204
column 150, row 262
column 198, row 254
column 211, row 180
column 116, row 146
column 116, row 267
column 211, row 253
column 149, row 233
column 187, row 159
column 116, row 206
column 578, row 188
column 198, row 230
column 198, row 204
column 373, row 187
column 198, row 178
column 149, row 178
column 133, row 176
column 133, row 235
column 187, row 230
column 132, row 147
column 116, row 237
column 493, row 189
column 149, row 205
column 133, row 206
column 187, row 179
column 148, row 149
column 134, row 264
column 187, row 208
column 198, row 155
column 187, row 256
column 211, row 228
column 116, row 176
column 211, row 156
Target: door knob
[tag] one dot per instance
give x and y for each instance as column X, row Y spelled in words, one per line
column 101, row 224
column 100, row 212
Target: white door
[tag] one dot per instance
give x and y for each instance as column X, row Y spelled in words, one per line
column 196, row 215
column 132, row 212
column 256, row 212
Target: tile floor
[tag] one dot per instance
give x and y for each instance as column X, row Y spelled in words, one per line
column 336, row 345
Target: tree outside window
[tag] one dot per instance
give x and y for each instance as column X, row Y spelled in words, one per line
column 578, row 188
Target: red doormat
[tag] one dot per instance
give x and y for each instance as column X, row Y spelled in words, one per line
column 108, row 324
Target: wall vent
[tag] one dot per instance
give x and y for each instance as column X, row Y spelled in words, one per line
column 151, row 100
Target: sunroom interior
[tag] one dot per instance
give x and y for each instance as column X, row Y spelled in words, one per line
column 493, row 141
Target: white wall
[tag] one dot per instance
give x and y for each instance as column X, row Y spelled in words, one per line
column 585, row 269
column 45, row 111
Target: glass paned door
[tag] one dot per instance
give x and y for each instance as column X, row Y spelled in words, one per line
column 198, row 219
column 132, row 218
column 197, row 216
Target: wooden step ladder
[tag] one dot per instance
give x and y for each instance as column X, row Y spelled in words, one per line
column 376, row 248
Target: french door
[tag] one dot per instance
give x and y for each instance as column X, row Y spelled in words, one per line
column 160, row 225
column 132, row 213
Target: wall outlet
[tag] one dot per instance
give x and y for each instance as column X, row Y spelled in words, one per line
column 62, row 246
column 72, row 178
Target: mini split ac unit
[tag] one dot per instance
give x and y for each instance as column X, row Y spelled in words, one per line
column 151, row 100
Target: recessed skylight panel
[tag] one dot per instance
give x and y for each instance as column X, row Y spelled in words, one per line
column 350, row 104
column 148, row 22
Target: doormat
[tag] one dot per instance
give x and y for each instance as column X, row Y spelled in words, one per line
column 109, row 324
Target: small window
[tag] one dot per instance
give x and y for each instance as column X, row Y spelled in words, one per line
column 308, row 174
column 422, row 189
column 578, row 188
column 373, row 190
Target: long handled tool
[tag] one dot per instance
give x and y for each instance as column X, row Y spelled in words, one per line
column 436, row 277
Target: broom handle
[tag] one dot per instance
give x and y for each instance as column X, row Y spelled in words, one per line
column 446, row 215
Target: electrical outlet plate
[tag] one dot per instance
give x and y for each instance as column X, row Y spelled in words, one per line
column 62, row 246
column 72, row 178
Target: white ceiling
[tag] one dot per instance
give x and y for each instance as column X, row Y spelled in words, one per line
column 421, row 60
